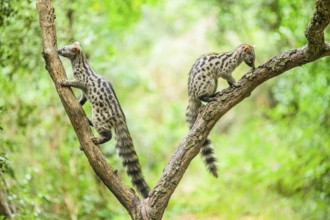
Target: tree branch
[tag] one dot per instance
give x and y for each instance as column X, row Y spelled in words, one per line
column 107, row 174
column 318, row 23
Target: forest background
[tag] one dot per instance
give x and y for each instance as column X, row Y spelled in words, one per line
column 273, row 148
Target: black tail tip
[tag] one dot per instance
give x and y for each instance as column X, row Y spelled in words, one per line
column 145, row 193
column 212, row 167
column 143, row 190
column 207, row 153
column 214, row 172
column 142, row 187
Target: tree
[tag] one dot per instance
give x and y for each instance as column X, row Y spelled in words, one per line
column 154, row 206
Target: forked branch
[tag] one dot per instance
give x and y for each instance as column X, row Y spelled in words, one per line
column 154, row 206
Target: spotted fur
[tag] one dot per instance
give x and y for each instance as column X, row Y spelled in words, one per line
column 106, row 112
column 202, row 86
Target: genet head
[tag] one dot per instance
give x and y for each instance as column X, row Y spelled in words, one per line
column 248, row 55
column 70, row 51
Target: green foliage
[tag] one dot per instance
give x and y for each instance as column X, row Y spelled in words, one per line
column 273, row 148
column 6, row 11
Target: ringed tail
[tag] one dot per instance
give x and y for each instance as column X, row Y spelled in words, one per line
column 207, row 152
column 192, row 111
column 125, row 147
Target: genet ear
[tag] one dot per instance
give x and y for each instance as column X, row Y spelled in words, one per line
column 76, row 48
column 76, row 43
column 247, row 49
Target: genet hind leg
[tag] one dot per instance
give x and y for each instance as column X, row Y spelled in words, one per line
column 104, row 129
column 207, row 98
column 82, row 99
column 105, row 137
column 208, row 91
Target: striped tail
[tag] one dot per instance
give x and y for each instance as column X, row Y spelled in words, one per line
column 192, row 111
column 125, row 147
column 207, row 152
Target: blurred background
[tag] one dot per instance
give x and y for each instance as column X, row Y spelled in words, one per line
column 273, row 148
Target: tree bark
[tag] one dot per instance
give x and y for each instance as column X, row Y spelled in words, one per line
column 154, row 206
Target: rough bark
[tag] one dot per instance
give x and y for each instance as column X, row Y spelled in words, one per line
column 154, row 206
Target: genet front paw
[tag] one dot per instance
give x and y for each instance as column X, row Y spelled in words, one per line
column 95, row 140
column 235, row 85
column 64, row 83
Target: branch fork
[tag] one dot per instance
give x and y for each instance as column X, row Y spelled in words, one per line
column 154, row 206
